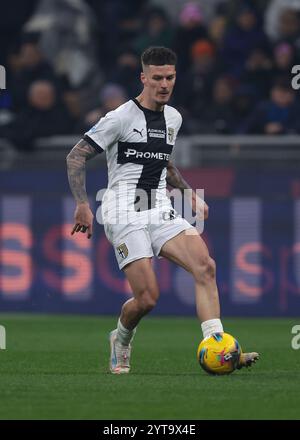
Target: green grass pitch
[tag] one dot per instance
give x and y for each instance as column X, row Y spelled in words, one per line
column 56, row 367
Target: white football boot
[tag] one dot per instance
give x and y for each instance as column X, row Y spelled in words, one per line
column 119, row 355
column 247, row 360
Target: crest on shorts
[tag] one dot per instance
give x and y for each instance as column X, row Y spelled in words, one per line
column 122, row 250
column 171, row 134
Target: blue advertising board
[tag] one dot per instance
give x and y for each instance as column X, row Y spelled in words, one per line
column 253, row 233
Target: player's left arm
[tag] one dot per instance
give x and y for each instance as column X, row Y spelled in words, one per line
column 175, row 179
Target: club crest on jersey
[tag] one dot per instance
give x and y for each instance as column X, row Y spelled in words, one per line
column 122, row 250
column 171, row 134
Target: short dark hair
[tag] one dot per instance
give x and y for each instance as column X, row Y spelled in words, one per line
column 158, row 56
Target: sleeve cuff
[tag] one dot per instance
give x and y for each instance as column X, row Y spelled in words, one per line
column 92, row 143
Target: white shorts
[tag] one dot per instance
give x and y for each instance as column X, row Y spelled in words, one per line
column 141, row 237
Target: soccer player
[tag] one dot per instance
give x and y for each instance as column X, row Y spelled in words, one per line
column 138, row 138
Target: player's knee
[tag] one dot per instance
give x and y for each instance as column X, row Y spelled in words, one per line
column 147, row 300
column 205, row 270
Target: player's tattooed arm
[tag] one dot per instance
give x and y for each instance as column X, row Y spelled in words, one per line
column 175, row 179
column 76, row 160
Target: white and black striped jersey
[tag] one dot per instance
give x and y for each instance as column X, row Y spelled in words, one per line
column 138, row 143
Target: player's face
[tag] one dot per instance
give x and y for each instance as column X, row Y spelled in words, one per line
column 159, row 82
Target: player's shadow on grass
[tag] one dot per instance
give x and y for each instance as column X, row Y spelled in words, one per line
column 235, row 376
column 151, row 373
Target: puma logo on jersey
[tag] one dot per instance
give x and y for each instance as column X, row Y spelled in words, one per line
column 131, row 152
column 139, row 131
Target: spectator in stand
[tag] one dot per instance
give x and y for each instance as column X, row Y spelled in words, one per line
column 278, row 115
column 209, row 55
column 194, row 91
column 218, row 117
column 258, row 72
column 111, row 96
column 209, row 8
column 282, row 20
column 30, row 66
column 217, row 29
column 65, row 28
column 283, row 23
column 244, row 101
column 289, row 27
column 127, row 72
column 45, row 115
column 284, row 59
column 191, row 28
column 12, row 18
column 241, row 39
column 156, row 32
column 119, row 23
column 232, row 7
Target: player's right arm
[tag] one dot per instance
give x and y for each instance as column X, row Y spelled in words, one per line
column 76, row 160
column 98, row 139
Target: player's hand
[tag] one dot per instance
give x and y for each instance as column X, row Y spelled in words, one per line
column 83, row 220
column 199, row 206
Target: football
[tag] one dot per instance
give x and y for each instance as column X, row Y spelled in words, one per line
column 219, row 354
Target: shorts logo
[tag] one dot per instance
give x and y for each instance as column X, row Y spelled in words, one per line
column 171, row 133
column 122, row 250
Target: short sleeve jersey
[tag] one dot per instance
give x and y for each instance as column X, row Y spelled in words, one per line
column 138, row 143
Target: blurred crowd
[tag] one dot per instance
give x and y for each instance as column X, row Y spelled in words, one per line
column 68, row 62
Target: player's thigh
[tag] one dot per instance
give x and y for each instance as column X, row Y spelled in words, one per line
column 187, row 249
column 130, row 243
column 142, row 278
